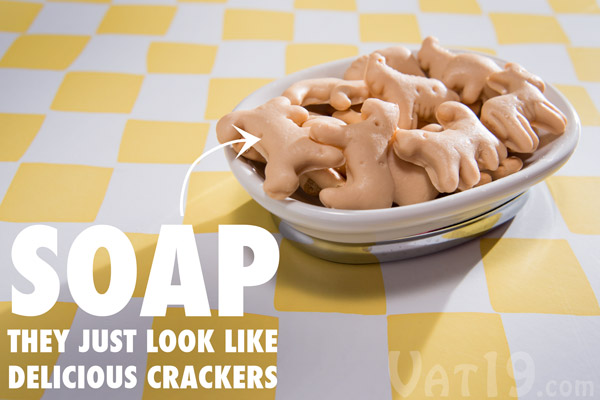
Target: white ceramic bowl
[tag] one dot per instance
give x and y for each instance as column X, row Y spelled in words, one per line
column 384, row 225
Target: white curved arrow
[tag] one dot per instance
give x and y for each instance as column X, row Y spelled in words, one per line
column 249, row 140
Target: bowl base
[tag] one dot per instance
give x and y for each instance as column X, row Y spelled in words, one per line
column 406, row 247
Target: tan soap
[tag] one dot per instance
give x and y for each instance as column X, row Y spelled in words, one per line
column 521, row 108
column 412, row 138
column 369, row 183
column 285, row 145
column 398, row 57
column 465, row 73
column 453, row 156
column 411, row 182
column 348, row 116
column 416, row 96
column 340, row 93
column 313, row 182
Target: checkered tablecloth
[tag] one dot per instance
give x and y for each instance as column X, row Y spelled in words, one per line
column 104, row 104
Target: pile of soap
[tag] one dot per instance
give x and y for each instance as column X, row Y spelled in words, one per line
column 398, row 129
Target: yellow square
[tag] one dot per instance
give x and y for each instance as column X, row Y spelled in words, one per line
column 225, row 93
column 577, row 199
column 162, row 142
column 137, row 19
column 336, row 5
column 586, row 61
column 258, row 25
column 144, row 246
column 309, row 284
column 181, row 58
column 16, row 16
column 97, row 92
column 59, row 317
column 536, row 276
column 402, row 28
column 299, row 56
column 447, row 7
column 449, row 355
column 176, row 321
column 216, row 198
column 55, row 52
column 582, row 102
column 575, row 6
column 55, row 193
column 527, row 28
column 17, row 131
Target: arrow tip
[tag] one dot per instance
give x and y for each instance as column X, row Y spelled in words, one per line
column 250, row 140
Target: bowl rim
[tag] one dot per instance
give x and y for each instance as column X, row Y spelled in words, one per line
column 339, row 220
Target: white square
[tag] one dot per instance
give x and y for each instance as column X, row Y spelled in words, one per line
column 197, row 23
column 147, row 2
column 584, row 160
column 368, row 48
column 450, row 29
column 538, row 219
column 253, row 59
column 387, row 6
column 142, row 197
column 547, row 350
column 114, row 53
column 326, row 27
column 69, row 18
column 582, row 30
column 516, row 6
column 6, row 39
column 550, row 62
column 216, row 161
column 332, row 356
column 78, row 138
column 270, row 5
column 450, row 281
column 172, row 97
column 28, row 91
